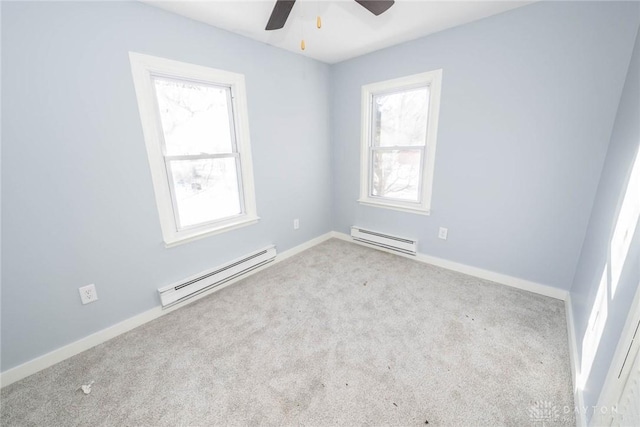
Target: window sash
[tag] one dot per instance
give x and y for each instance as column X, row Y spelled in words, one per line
column 372, row 107
column 374, row 148
column 172, row 190
column 420, row 149
column 230, row 108
column 169, row 158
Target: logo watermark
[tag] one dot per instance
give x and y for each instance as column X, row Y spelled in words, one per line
column 545, row 413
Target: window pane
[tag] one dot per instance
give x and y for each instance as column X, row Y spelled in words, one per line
column 205, row 190
column 400, row 118
column 195, row 117
column 396, row 174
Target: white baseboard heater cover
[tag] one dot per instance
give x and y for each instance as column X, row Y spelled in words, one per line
column 204, row 281
column 387, row 241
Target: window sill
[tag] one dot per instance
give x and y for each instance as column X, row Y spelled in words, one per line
column 191, row 235
column 395, row 207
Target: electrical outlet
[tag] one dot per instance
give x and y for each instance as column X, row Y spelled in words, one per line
column 296, row 224
column 88, row 294
column 442, row 233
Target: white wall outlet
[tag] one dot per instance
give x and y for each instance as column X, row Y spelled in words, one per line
column 442, row 233
column 88, row 294
column 296, row 224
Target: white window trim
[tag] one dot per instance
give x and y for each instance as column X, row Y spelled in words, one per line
column 142, row 68
column 434, row 80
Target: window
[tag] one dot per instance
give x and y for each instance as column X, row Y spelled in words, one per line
column 197, row 136
column 399, row 128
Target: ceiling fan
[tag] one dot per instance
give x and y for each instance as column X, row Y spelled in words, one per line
column 282, row 9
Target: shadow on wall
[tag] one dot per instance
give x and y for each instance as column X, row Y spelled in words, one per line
column 626, row 225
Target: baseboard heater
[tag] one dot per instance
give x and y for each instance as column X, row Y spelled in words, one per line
column 204, row 281
column 387, row 241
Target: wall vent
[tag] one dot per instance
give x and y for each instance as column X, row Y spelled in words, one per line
column 202, row 282
column 387, row 241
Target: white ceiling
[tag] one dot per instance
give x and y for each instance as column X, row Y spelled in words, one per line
column 348, row 29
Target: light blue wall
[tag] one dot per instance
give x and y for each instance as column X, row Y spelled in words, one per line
column 77, row 197
column 623, row 148
column 528, row 102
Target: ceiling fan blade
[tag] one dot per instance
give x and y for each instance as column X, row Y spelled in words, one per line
column 376, row 6
column 279, row 14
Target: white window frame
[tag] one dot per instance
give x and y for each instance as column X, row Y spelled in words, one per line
column 144, row 68
column 432, row 79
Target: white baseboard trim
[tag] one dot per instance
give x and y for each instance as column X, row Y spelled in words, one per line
column 514, row 282
column 578, row 399
column 500, row 278
column 49, row 359
column 58, row 355
column 35, row 365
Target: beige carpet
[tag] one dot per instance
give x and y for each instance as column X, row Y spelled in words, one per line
column 338, row 335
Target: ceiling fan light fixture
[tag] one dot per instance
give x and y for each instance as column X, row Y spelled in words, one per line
column 376, row 7
column 279, row 14
column 282, row 9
